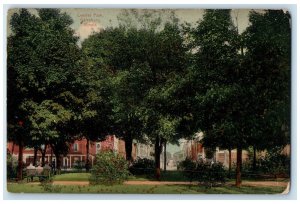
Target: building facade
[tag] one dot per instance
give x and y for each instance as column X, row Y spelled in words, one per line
column 192, row 149
column 77, row 152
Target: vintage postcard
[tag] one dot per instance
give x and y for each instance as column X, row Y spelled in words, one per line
column 148, row 101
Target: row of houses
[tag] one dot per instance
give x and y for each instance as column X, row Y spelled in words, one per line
column 76, row 154
column 174, row 153
column 196, row 151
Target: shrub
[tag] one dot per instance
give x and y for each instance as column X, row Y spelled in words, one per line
column 209, row 153
column 48, row 186
column 109, row 168
column 78, row 165
column 208, row 174
column 211, row 174
column 142, row 166
column 11, row 165
column 275, row 163
column 189, row 168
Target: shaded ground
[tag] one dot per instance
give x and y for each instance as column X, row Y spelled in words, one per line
column 141, row 189
column 245, row 183
column 172, row 183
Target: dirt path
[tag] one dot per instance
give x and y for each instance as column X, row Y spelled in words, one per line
column 159, row 183
column 265, row 183
column 245, row 183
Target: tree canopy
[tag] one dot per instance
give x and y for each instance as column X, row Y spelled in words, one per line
column 150, row 78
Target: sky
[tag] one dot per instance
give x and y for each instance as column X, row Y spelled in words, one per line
column 87, row 20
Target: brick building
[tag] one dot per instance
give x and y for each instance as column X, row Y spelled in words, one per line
column 77, row 151
column 195, row 151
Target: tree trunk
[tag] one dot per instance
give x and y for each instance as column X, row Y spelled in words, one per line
column 43, row 151
column 58, row 164
column 128, row 147
column 229, row 165
column 51, row 155
column 239, row 167
column 35, row 150
column 20, row 161
column 165, row 156
column 254, row 159
column 157, row 158
column 87, row 160
column 230, row 159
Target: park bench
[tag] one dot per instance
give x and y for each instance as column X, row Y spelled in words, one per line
column 42, row 173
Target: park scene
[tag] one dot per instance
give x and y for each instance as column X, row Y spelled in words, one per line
column 148, row 101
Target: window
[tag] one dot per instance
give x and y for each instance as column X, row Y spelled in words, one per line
column 65, row 162
column 75, row 147
column 98, row 147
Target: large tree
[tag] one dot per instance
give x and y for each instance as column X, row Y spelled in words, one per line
column 107, row 59
column 17, row 49
column 141, row 57
column 92, row 107
column 238, row 99
column 266, row 73
column 129, row 89
column 166, row 56
column 218, row 95
column 42, row 58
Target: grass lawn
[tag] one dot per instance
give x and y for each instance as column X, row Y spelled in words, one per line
column 168, row 176
column 72, row 177
column 165, row 176
column 145, row 189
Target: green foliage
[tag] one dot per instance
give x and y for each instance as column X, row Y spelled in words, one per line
column 240, row 82
column 78, row 165
column 150, row 79
column 188, row 167
column 209, row 153
column 11, row 167
column 51, row 52
column 234, row 80
column 266, row 74
column 211, row 174
column 139, row 59
column 214, row 77
column 207, row 173
column 48, row 186
column 142, row 166
column 109, row 168
column 46, row 118
column 43, row 58
column 269, row 164
column 275, row 163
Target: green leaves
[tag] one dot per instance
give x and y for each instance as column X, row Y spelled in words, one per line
column 267, row 71
column 46, row 117
column 159, row 80
column 42, row 60
column 235, row 91
column 108, row 169
column 167, row 127
column 140, row 60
